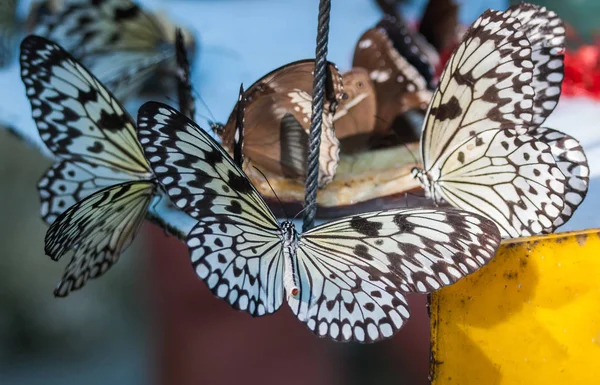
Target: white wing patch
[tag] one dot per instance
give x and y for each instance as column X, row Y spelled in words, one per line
column 510, row 178
column 97, row 230
column 485, row 85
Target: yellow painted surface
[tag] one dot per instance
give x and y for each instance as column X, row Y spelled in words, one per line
column 531, row 316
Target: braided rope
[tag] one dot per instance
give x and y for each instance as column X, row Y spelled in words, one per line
column 184, row 86
column 318, row 98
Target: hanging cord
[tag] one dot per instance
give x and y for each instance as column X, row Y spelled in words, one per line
column 318, row 98
column 238, row 137
column 184, row 87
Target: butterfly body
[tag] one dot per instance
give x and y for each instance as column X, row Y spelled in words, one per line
column 290, row 245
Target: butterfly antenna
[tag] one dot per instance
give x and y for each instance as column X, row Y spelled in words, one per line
column 274, row 193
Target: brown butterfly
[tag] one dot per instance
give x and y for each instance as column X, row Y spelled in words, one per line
column 277, row 122
column 398, row 85
column 356, row 112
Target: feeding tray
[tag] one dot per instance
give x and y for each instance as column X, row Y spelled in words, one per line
column 364, row 181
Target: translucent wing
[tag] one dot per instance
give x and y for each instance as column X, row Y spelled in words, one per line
column 571, row 160
column 97, row 230
column 546, row 33
column 512, row 179
column 236, row 245
column 115, row 39
column 81, row 123
column 485, row 85
column 354, row 271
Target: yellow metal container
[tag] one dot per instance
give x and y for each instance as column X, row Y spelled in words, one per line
column 531, row 316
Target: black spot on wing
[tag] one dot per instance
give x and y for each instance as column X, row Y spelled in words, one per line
column 111, row 121
column 402, row 224
column 449, row 110
column 362, row 251
column 365, row 227
column 97, row 148
column 239, row 183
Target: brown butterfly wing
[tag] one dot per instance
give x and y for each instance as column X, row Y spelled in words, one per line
column 398, row 85
column 439, row 24
column 286, row 92
column 357, row 111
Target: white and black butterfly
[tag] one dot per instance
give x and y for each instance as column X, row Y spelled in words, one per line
column 345, row 279
column 477, row 147
column 546, row 33
column 101, row 177
column 120, row 43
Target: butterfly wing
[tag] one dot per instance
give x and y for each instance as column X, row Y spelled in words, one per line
column 353, row 272
column 97, row 230
column 81, row 123
column 572, row 162
column 546, row 33
column 115, row 39
column 398, row 85
column 512, row 179
column 357, row 111
column 287, row 90
column 236, row 245
column 412, row 46
column 485, row 85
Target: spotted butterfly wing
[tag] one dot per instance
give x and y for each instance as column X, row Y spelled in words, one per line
column 97, row 230
column 237, row 237
column 344, row 279
column 353, row 272
column 572, row 162
column 546, row 33
column 100, row 163
column 485, row 85
column 120, row 43
column 81, row 123
column 474, row 150
column 283, row 92
column 398, row 85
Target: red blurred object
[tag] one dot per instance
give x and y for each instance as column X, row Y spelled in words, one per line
column 582, row 72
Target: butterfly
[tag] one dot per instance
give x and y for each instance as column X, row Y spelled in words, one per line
column 476, row 150
column 277, row 120
column 98, row 192
column 345, row 279
column 399, row 86
column 120, row 43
